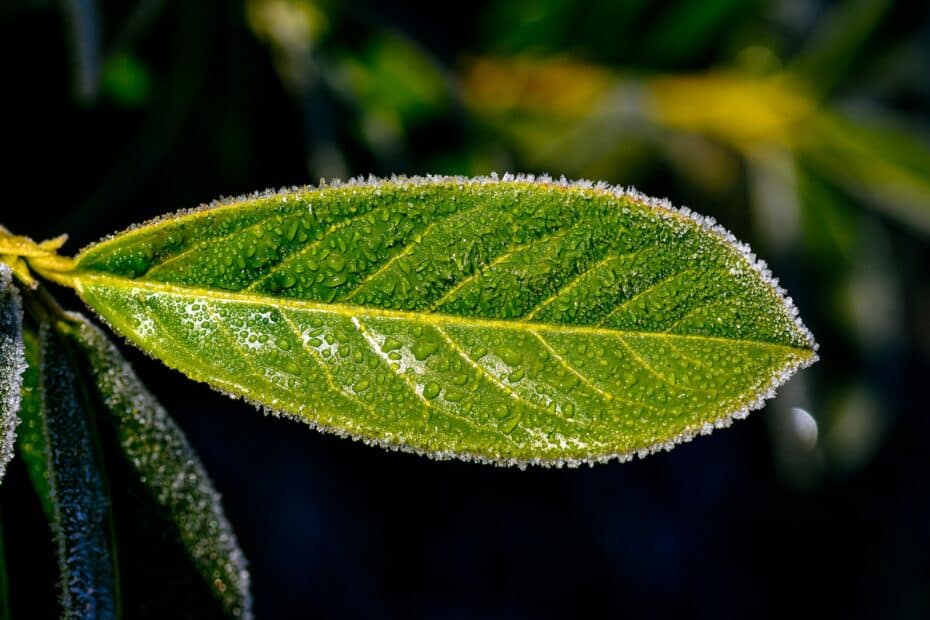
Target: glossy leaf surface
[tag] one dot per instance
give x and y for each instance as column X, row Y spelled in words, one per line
column 167, row 465
column 507, row 320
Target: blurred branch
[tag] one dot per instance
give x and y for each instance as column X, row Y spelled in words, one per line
column 82, row 18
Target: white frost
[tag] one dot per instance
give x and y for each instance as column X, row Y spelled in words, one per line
column 12, row 364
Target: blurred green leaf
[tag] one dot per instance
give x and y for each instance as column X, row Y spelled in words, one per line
column 31, row 438
column 829, row 221
column 882, row 165
column 393, row 76
column 126, row 80
column 835, row 44
column 689, row 26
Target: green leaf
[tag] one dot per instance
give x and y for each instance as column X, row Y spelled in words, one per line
column 167, row 465
column 31, row 437
column 12, row 364
column 513, row 321
column 887, row 165
column 689, row 27
column 79, row 502
column 840, row 37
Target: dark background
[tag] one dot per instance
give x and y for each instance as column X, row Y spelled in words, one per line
column 115, row 112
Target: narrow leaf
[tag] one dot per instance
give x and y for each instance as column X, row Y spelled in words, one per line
column 889, row 166
column 167, row 465
column 30, row 441
column 513, row 321
column 77, row 492
column 12, row 364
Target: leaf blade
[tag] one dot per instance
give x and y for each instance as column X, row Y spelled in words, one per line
column 30, row 441
column 481, row 312
column 12, row 364
column 168, row 466
column 77, row 490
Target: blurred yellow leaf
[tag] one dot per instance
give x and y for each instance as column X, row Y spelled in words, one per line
column 742, row 111
column 560, row 87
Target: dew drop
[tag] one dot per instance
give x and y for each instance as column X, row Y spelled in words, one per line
column 431, row 390
column 422, row 349
column 391, row 343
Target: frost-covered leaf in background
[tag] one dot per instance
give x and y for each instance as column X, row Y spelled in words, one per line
column 12, row 364
column 512, row 321
column 30, row 439
column 167, row 465
column 79, row 501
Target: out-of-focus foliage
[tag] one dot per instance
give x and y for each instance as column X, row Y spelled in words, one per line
column 801, row 125
column 792, row 115
column 798, row 119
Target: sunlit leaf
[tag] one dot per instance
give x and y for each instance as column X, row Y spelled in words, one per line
column 167, row 465
column 514, row 321
column 79, row 501
column 12, row 364
column 17, row 245
column 839, row 38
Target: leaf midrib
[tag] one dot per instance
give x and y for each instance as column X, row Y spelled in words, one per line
column 429, row 318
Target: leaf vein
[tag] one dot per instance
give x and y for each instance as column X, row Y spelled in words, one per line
column 642, row 362
column 640, row 294
column 167, row 334
column 327, row 374
column 693, row 311
column 236, row 346
column 458, row 349
column 375, row 346
column 407, row 249
column 348, row 311
column 496, row 261
column 587, row 382
column 302, row 251
column 576, row 280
